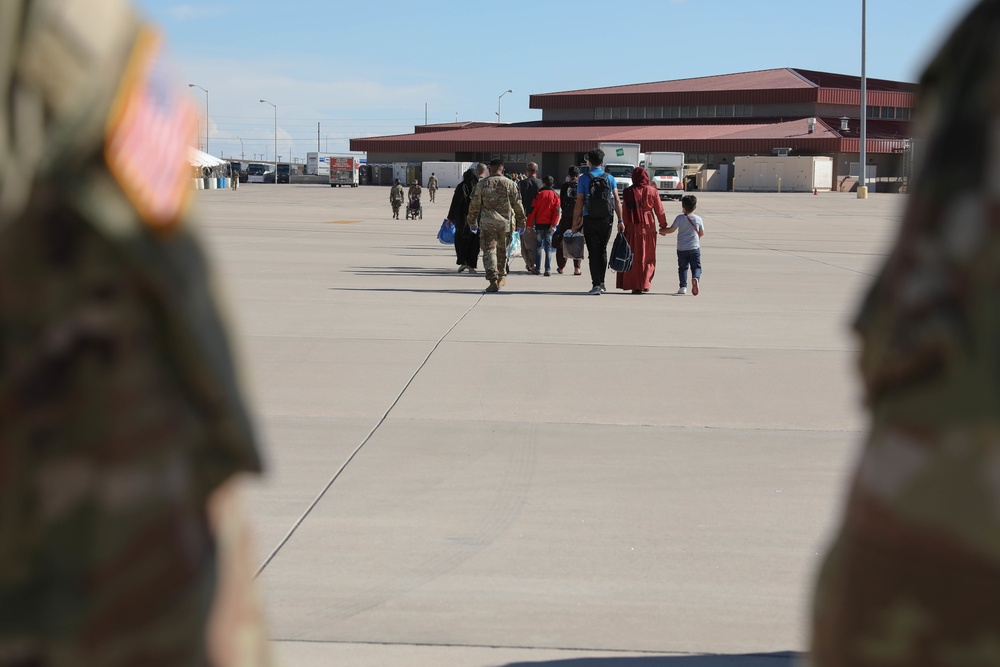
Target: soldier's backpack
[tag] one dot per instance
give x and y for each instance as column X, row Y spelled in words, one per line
column 600, row 202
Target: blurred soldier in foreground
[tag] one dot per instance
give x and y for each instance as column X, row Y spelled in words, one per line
column 913, row 578
column 121, row 419
column 494, row 207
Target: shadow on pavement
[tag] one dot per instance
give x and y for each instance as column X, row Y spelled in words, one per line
column 471, row 290
column 780, row 659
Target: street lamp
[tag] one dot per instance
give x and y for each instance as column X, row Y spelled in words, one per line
column 194, row 85
column 863, row 157
column 275, row 139
column 498, row 102
column 241, row 149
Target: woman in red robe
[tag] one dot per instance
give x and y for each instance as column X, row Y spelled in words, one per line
column 640, row 211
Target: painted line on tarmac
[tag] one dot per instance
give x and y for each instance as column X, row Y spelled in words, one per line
column 368, row 437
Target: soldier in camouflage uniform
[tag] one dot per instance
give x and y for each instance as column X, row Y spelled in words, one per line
column 913, row 577
column 432, row 186
column 396, row 198
column 495, row 203
column 121, row 419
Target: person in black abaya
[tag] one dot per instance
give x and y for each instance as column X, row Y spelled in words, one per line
column 466, row 243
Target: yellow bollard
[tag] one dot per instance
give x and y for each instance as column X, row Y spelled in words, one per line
column 779, row 185
column 863, row 192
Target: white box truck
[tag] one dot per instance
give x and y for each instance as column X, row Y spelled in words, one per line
column 449, row 174
column 344, row 170
column 318, row 164
column 666, row 172
column 619, row 161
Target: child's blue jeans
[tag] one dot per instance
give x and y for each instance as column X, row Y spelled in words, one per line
column 686, row 258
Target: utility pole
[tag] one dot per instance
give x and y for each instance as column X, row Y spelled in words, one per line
column 317, row 137
column 863, row 157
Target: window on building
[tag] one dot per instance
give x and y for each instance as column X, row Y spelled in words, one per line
column 599, row 113
column 616, row 113
column 689, row 112
column 671, row 112
column 727, row 110
column 636, row 113
column 654, row 112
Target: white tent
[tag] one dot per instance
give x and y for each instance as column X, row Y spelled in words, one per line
column 199, row 158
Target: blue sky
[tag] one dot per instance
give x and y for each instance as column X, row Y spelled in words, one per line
column 368, row 67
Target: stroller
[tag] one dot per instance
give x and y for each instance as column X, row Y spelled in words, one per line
column 414, row 209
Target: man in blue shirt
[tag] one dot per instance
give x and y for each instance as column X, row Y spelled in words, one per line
column 596, row 220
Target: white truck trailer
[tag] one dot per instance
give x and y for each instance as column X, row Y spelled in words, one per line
column 318, row 164
column 449, row 174
column 619, row 161
column 666, row 172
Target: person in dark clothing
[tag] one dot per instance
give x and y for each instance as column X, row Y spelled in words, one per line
column 466, row 243
column 567, row 197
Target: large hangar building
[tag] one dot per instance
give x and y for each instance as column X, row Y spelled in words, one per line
column 712, row 120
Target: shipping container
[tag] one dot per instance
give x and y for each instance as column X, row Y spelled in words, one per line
column 449, row 174
column 793, row 173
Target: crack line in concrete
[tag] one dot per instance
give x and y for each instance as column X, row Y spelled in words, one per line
column 368, row 437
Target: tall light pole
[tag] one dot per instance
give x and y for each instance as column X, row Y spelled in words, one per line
column 241, row 149
column 275, row 140
column 862, row 184
column 498, row 102
column 195, row 85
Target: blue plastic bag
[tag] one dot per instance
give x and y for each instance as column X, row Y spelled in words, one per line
column 446, row 234
column 514, row 248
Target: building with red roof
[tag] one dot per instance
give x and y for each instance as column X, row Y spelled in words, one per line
column 711, row 120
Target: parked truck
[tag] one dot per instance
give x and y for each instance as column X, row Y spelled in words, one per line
column 666, row 172
column 619, row 161
column 344, row 171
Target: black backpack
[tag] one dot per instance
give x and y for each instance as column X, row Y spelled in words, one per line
column 600, row 203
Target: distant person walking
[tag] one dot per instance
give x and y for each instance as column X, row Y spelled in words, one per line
column 495, row 202
column 432, row 186
column 690, row 228
column 641, row 209
column 544, row 217
column 396, row 198
column 234, row 177
column 567, row 199
column 466, row 243
column 597, row 205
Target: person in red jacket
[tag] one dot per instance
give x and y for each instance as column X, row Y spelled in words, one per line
column 544, row 216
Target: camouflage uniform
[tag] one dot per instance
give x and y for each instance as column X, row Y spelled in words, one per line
column 396, row 199
column 415, row 191
column 120, row 410
column 495, row 203
column 913, row 577
column 432, row 187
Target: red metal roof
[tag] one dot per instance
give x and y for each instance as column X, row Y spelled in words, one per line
column 441, row 127
column 747, row 137
column 773, row 86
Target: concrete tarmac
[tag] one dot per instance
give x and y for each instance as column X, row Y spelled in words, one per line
column 541, row 477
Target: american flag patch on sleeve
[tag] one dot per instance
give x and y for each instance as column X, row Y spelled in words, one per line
column 149, row 129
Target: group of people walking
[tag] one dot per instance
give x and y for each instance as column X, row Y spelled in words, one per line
column 487, row 208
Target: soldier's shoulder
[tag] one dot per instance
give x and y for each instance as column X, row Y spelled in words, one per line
column 99, row 73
